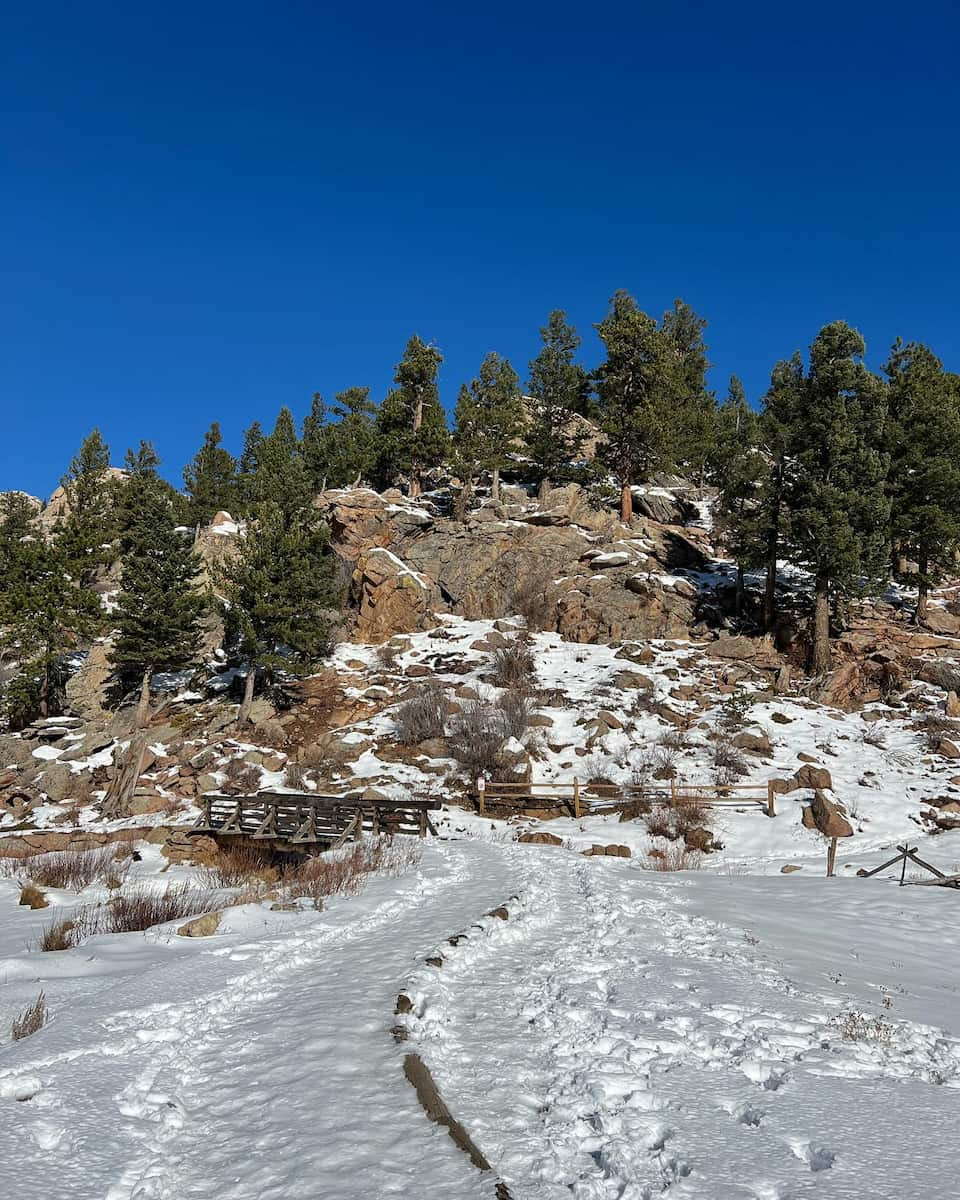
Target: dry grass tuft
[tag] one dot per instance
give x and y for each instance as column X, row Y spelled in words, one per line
column 75, row 870
column 345, row 873
column 674, row 858
column 140, row 908
column 32, row 897
column 236, row 866
column 31, row 1019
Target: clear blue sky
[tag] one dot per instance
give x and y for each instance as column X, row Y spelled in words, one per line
column 208, row 210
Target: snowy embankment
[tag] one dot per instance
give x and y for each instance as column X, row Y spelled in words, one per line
column 624, row 1034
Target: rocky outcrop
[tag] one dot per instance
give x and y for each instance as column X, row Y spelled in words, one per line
column 390, row 597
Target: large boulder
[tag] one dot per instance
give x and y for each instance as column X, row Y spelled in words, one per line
column 828, row 818
column 391, row 597
column 811, row 776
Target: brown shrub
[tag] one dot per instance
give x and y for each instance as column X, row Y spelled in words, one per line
column 516, row 708
column 422, row 716
column 140, row 908
column 514, row 666
column 345, row 873
column 32, row 897
column 674, row 858
column 61, row 934
column 478, row 735
column 244, row 776
column 72, row 869
column 235, row 866
column 31, row 1019
column 729, row 764
column 296, row 775
column 660, row 823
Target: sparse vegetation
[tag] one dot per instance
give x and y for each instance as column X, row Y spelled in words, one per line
column 934, row 727
column 729, row 764
column 32, row 897
column 674, row 858
column 533, row 597
column 514, row 665
column 32, row 1018
column 478, row 735
column 345, row 873
column 141, row 908
column 243, row 776
column 73, row 870
column 855, row 1026
column 516, row 707
column 235, row 866
column 422, row 716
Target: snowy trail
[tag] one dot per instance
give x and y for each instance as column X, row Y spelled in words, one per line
column 605, row 1043
column 271, row 1074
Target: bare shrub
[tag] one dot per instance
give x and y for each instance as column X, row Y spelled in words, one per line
column 63, row 933
column 32, row 1018
column 933, row 728
column 345, row 873
column 533, row 597
column 72, row 869
column 141, row 908
column 478, row 735
column 422, row 716
column 729, row 764
column 689, row 814
column 516, row 708
column 665, row 760
column 514, row 665
column 675, row 739
column 874, row 736
column 244, row 776
column 32, row 897
column 387, row 658
column 674, row 858
column 856, row 1026
column 660, row 823
column 235, row 866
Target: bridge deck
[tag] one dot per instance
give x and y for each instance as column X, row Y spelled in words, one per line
column 308, row 819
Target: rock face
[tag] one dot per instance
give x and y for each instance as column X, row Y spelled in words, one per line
column 593, row 578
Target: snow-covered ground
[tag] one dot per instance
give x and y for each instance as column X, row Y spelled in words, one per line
column 624, row 1034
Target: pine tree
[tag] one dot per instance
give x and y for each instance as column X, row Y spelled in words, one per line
column 17, row 531
column 85, row 534
column 45, row 615
column 740, row 472
column 249, row 466
column 352, row 438
column 693, row 404
column 281, row 476
column 557, row 387
column 923, row 436
column 315, row 444
column 281, row 595
column 837, row 471
column 633, row 395
column 411, row 423
column 211, row 478
column 159, row 607
column 782, row 407
column 488, row 419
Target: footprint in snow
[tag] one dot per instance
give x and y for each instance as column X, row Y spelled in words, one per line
column 817, row 1158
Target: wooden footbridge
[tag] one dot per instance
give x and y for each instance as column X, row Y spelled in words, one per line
column 305, row 820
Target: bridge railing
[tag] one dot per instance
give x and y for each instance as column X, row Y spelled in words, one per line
column 581, row 798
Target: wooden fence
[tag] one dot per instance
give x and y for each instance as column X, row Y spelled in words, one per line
column 305, row 818
column 582, row 799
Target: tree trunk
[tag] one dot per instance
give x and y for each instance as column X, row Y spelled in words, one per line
column 247, row 702
column 739, row 600
column 543, row 491
column 923, row 585
column 413, row 491
column 495, row 485
column 822, row 659
column 45, row 691
column 626, row 497
column 143, row 707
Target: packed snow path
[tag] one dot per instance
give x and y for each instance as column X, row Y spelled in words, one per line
column 606, row 1041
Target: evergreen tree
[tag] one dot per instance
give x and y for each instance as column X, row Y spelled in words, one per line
column 159, row 607
column 352, row 439
column 45, row 615
column 280, row 594
column 782, row 407
column 86, row 532
column 315, row 444
column 488, row 419
column 249, row 466
column 633, row 395
column 924, row 482
column 17, row 531
column 557, row 387
column 693, row 404
column 740, row 472
column 211, row 479
column 411, row 423
column 837, row 471
column 281, row 476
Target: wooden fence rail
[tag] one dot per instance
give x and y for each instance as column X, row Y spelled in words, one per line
column 585, row 798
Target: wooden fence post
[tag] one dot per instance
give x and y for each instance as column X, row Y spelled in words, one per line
column 771, row 799
column 481, row 786
column 673, row 791
column 832, row 857
column 576, row 797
